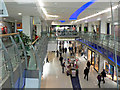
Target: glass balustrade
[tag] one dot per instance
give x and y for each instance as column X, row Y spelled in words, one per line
column 100, row 39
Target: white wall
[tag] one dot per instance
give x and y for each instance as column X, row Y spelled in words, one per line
column 77, row 28
column 89, row 27
column 101, row 64
column 26, row 25
column 82, row 27
column 103, row 27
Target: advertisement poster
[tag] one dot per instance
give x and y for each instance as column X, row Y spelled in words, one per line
column 19, row 25
column 106, row 67
column 111, row 70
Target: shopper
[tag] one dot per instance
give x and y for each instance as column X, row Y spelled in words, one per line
column 94, row 31
column 103, row 75
column 69, row 49
column 86, row 71
column 65, row 50
column 79, row 51
column 63, row 65
column 88, row 64
column 59, row 47
column 36, row 37
column 61, row 60
column 57, row 53
column 47, row 60
column 71, row 53
column 99, row 80
column 60, row 43
column 60, row 52
column 75, row 49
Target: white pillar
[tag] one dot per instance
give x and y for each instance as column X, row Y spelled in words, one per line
column 15, row 26
column 89, row 27
column 82, row 27
column 39, row 30
column 110, row 28
column 77, row 28
column 103, row 27
column 95, row 28
column 101, row 64
column 26, row 25
column 49, row 29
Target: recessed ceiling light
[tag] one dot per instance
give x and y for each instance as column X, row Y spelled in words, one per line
column 55, row 3
column 86, row 21
column 19, row 13
column 99, row 19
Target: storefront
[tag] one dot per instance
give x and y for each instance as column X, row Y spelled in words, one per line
column 85, row 50
column 89, row 54
column 96, row 62
column 110, row 70
column 94, row 58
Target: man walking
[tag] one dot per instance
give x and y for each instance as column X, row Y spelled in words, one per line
column 61, row 60
column 99, row 80
column 103, row 75
column 88, row 64
column 63, row 65
column 86, row 71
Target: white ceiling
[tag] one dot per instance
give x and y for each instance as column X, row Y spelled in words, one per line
column 65, row 9
column 61, row 8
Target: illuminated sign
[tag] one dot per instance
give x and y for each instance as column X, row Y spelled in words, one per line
column 80, row 10
column 62, row 21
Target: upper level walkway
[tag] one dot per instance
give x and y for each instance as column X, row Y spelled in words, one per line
column 102, row 43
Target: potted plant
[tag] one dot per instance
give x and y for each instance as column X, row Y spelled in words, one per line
column 27, row 42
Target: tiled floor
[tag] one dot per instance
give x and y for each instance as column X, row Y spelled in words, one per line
column 53, row 77
column 92, row 80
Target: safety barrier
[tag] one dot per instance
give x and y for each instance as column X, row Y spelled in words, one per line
column 15, row 65
column 13, row 61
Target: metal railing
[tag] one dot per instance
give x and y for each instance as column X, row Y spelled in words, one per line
column 101, row 39
column 38, row 51
column 104, row 40
column 13, row 57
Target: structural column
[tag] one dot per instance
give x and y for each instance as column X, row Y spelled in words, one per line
column 27, row 25
column 110, row 28
column 39, row 30
column 101, row 64
column 89, row 27
column 82, row 27
column 15, row 26
column 78, row 28
column 103, row 27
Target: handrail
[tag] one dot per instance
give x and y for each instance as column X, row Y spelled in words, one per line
column 35, row 41
column 10, row 34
